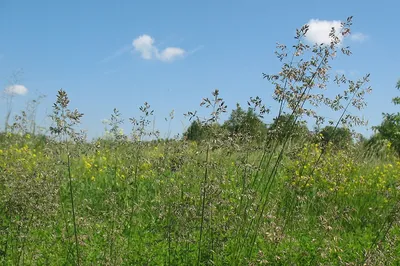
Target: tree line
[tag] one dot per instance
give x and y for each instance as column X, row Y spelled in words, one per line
column 247, row 123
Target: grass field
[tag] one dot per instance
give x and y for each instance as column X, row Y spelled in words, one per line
column 182, row 203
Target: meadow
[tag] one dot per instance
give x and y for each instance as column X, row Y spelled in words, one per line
column 183, row 203
column 223, row 199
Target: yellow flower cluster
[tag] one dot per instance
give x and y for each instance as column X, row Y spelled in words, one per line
column 339, row 172
column 94, row 165
column 16, row 158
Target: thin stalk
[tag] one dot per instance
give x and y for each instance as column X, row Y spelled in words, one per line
column 169, row 233
column 71, row 194
column 389, row 222
column 6, row 244
column 135, row 193
column 203, row 204
column 112, row 234
column 64, row 216
column 211, row 233
column 21, row 255
column 113, row 201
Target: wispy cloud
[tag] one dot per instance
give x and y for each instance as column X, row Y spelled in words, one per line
column 195, row 50
column 319, row 31
column 117, row 53
column 111, row 71
column 358, row 37
column 354, row 73
column 349, row 73
column 340, row 72
column 144, row 45
column 16, row 90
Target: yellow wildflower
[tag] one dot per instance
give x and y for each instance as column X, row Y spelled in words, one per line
column 87, row 165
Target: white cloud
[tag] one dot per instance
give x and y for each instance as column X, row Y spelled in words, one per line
column 358, row 37
column 144, row 44
column 319, row 30
column 16, row 90
column 170, row 53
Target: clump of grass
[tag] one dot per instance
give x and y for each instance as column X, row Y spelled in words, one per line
column 64, row 122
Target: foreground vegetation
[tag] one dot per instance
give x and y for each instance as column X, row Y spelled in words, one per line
column 240, row 193
column 178, row 202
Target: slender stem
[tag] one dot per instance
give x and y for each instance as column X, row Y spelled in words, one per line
column 169, row 233
column 71, row 194
column 203, row 199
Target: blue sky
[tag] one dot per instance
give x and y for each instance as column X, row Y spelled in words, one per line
column 183, row 51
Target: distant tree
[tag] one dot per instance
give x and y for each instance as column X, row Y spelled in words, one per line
column 207, row 127
column 340, row 136
column 378, row 147
column 362, row 139
column 245, row 123
column 286, row 126
column 198, row 131
column 194, row 132
column 389, row 129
